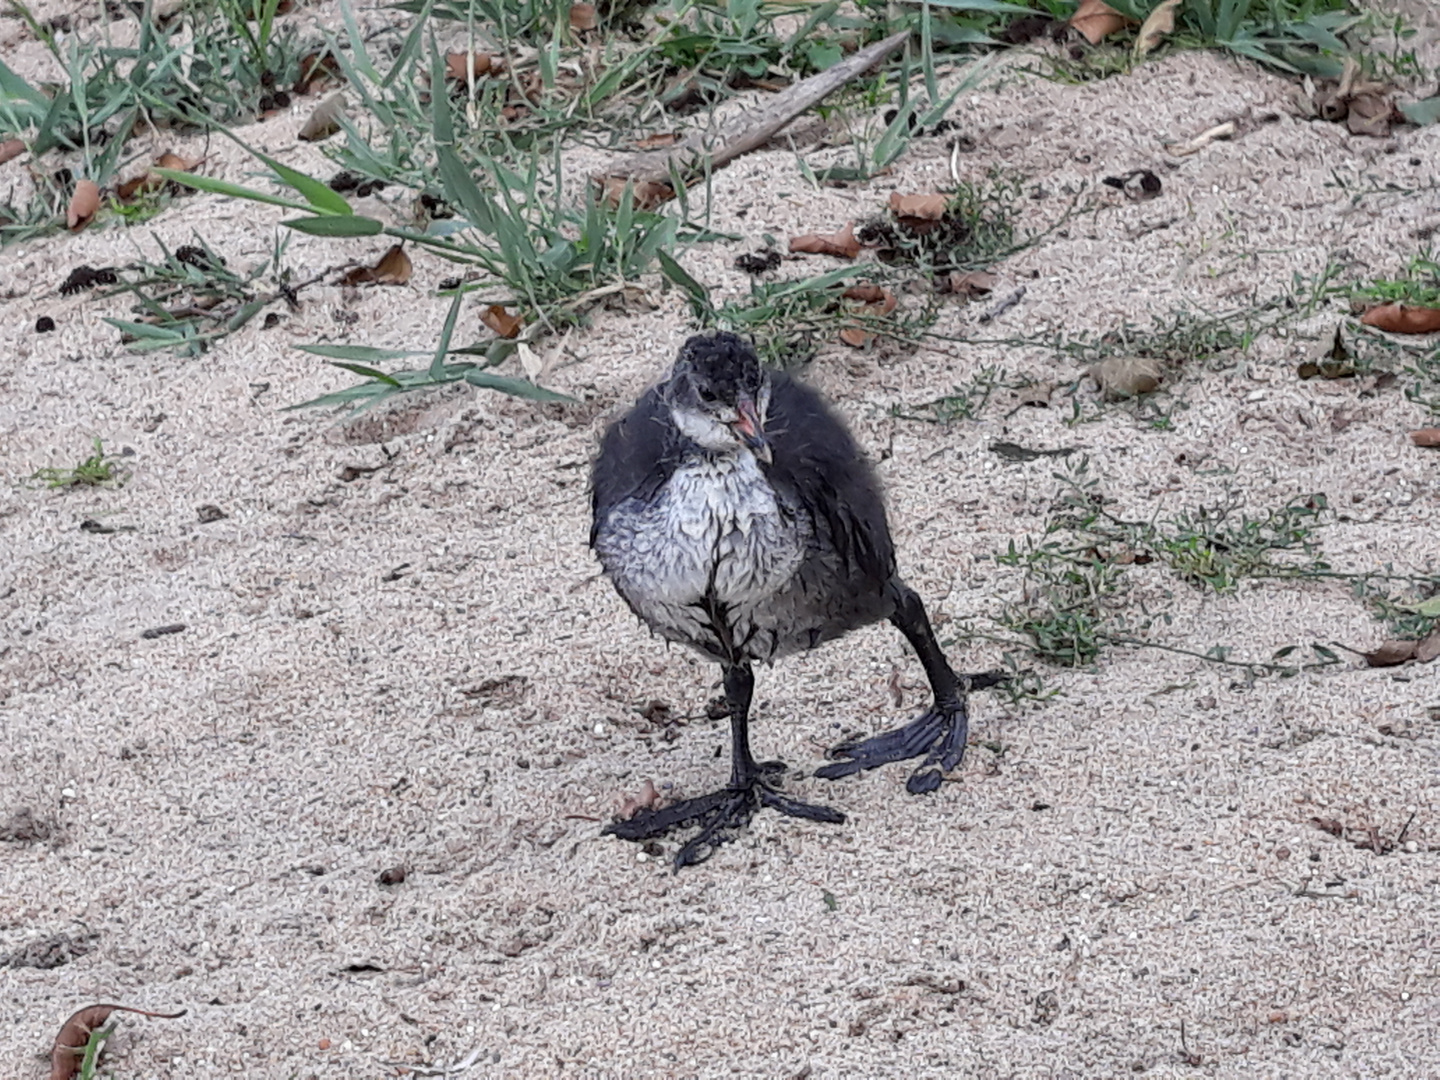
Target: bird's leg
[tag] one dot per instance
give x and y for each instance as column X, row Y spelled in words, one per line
column 722, row 814
column 939, row 733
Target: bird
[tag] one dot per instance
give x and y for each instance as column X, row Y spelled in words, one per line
column 734, row 513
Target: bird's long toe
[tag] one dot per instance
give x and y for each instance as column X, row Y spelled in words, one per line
column 721, row 815
column 938, row 734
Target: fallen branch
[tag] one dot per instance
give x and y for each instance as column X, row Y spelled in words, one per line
column 689, row 160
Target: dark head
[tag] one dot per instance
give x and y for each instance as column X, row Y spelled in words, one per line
column 719, row 394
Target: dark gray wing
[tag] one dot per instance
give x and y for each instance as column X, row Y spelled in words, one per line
column 818, row 466
column 638, row 454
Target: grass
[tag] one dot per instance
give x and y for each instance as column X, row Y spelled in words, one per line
column 1079, row 597
column 1417, row 284
column 98, row 470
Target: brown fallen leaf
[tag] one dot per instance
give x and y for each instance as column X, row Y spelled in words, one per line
column 1157, row 24
column 1428, row 647
column 149, row 181
column 501, row 321
column 582, row 17
column 393, row 268
column 647, row 799
column 1403, row 318
column 83, row 205
column 842, row 244
column 1391, row 653
column 1370, row 114
column 462, row 66
column 318, row 71
column 647, row 194
column 919, row 207
column 874, row 301
column 971, row 283
column 1123, row 377
column 11, row 148
column 325, row 120
column 1429, row 436
column 1096, row 20
column 658, row 141
column 69, row 1048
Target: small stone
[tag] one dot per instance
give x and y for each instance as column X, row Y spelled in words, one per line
column 393, row 876
column 44, row 324
column 210, row 512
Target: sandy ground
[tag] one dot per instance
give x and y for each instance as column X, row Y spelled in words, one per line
column 419, row 666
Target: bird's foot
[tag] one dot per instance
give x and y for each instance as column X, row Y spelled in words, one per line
column 721, row 816
column 939, row 734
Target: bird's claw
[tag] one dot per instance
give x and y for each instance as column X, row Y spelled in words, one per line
column 939, row 734
column 721, row 815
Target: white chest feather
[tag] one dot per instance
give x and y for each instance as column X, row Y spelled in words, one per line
column 716, row 525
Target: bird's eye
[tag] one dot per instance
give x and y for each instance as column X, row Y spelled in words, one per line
column 708, row 396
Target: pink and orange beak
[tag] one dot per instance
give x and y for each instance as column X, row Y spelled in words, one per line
column 750, row 429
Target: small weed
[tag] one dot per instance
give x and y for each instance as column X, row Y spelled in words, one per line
column 976, row 231
column 98, row 470
column 964, row 402
column 90, row 1061
column 1418, row 284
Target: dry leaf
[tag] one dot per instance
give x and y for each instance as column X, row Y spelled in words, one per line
column 325, row 120
column 318, row 71
column 971, row 283
column 582, row 17
column 530, row 361
column 1428, row 648
column 501, row 321
column 1204, row 139
column 11, row 148
column 1429, row 436
column 83, row 205
column 920, row 207
column 647, row 194
column 659, row 141
column 842, row 244
column 648, row 799
column 1096, row 19
column 1369, row 114
column 1123, row 377
column 1391, row 653
column 874, row 301
column 1403, row 319
column 1157, row 24
column 394, row 267
column 457, row 68
column 69, row 1047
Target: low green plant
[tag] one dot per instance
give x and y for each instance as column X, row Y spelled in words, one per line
column 98, row 470
column 1417, row 284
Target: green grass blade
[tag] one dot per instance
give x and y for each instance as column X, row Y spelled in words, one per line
column 317, row 193
column 369, row 373
column 437, row 365
column 699, row 295
column 362, row 354
column 354, row 225
column 213, row 186
column 509, row 385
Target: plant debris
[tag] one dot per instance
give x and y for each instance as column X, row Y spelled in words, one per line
column 1123, row 377
column 74, row 1037
column 87, row 277
column 759, row 262
column 1096, row 20
column 393, row 268
column 841, row 244
column 1403, row 318
column 501, row 321
column 83, row 205
column 1426, row 437
column 1204, row 139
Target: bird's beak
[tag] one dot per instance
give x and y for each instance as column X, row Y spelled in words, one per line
column 751, row 433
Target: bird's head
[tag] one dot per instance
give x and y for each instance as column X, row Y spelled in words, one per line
column 719, row 394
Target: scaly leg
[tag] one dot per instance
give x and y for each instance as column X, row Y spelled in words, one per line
column 939, row 733
column 723, row 814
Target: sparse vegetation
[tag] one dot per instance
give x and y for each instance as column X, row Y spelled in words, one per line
column 98, row 470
